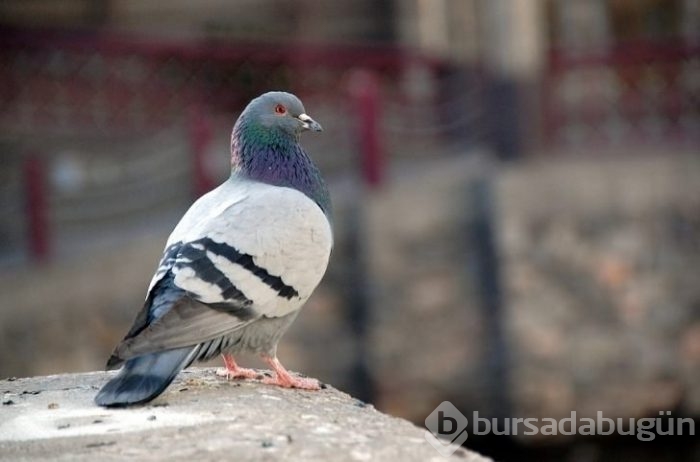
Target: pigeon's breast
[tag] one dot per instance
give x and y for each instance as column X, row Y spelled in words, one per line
column 281, row 240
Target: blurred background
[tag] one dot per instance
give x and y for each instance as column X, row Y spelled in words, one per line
column 516, row 186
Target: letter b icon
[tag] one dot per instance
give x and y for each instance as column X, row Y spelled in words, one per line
column 446, row 428
column 446, row 421
column 446, row 425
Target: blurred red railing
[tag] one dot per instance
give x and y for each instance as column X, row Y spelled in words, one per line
column 36, row 208
column 79, row 86
column 58, row 85
column 78, row 81
column 630, row 94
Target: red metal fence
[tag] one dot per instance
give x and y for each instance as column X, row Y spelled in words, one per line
column 629, row 95
column 99, row 111
column 66, row 96
column 77, row 82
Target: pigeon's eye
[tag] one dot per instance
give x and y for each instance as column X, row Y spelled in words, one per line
column 280, row 110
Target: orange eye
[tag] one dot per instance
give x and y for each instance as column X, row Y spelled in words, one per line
column 280, row 110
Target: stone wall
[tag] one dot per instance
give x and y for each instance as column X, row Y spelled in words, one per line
column 202, row 417
column 601, row 263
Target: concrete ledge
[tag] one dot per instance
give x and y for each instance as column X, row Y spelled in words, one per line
column 201, row 417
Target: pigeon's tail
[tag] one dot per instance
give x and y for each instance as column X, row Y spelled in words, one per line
column 143, row 378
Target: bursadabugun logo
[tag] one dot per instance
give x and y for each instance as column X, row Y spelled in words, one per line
column 447, row 426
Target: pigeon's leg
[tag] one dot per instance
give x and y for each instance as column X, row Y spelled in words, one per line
column 234, row 371
column 284, row 379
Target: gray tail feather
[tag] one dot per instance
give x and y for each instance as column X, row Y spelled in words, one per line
column 143, row 378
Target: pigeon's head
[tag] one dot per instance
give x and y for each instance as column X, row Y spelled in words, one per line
column 278, row 111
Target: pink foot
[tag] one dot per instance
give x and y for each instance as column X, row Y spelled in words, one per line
column 284, row 379
column 233, row 371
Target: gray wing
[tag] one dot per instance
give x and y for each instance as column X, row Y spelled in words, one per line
column 173, row 317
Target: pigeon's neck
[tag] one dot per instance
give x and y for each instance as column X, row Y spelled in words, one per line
column 261, row 154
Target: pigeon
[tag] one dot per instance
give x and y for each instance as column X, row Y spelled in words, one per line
column 239, row 265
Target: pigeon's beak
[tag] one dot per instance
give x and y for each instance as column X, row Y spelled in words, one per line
column 308, row 123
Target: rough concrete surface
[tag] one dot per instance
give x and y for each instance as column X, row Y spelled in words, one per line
column 201, row 417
